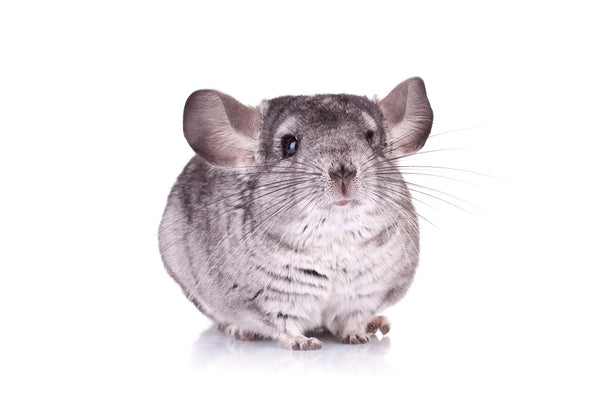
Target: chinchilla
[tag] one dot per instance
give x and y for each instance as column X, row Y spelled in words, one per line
column 293, row 216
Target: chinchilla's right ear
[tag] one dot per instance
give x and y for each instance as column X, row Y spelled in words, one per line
column 220, row 129
column 409, row 116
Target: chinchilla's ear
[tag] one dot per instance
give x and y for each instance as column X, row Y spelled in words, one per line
column 409, row 116
column 220, row 129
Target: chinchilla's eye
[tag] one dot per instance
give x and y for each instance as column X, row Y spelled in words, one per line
column 369, row 136
column 289, row 145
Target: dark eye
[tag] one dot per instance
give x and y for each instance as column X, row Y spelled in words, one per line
column 369, row 136
column 289, row 145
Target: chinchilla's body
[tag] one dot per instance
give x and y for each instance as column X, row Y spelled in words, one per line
column 294, row 216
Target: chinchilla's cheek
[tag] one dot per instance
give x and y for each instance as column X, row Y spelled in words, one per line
column 293, row 217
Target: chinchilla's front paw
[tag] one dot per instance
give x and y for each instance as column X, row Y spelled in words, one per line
column 238, row 333
column 299, row 342
column 380, row 323
column 355, row 333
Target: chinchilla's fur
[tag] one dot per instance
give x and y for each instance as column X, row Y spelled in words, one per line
column 294, row 216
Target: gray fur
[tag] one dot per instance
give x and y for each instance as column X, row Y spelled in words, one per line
column 275, row 247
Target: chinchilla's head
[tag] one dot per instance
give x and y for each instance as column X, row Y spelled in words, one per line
column 313, row 158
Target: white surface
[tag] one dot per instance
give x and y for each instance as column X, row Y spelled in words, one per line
column 505, row 302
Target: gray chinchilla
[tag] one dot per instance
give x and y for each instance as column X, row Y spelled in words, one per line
column 293, row 216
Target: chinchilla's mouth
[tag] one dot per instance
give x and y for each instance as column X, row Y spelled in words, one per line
column 342, row 202
column 346, row 201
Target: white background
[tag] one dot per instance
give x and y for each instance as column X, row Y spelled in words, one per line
column 506, row 300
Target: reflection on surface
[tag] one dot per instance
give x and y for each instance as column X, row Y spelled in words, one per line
column 215, row 349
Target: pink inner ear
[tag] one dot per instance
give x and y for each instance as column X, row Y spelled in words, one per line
column 409, row 116
column 220, row 129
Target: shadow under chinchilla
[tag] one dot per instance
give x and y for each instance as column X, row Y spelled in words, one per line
column 215, row 349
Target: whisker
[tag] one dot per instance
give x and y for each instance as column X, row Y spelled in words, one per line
column 279, row 185
column 234, row 207
column 392, row 181
column 198, row 279
column 451, row 169
column 385, row 195
column 457, row 130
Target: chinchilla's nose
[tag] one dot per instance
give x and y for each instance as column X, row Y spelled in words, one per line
column 342, row 172
column 342, row 175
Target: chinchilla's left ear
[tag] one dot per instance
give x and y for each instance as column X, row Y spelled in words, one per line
column 408, row 115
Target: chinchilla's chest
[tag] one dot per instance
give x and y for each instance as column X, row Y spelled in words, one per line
column 344, row 272
column 351, row 280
